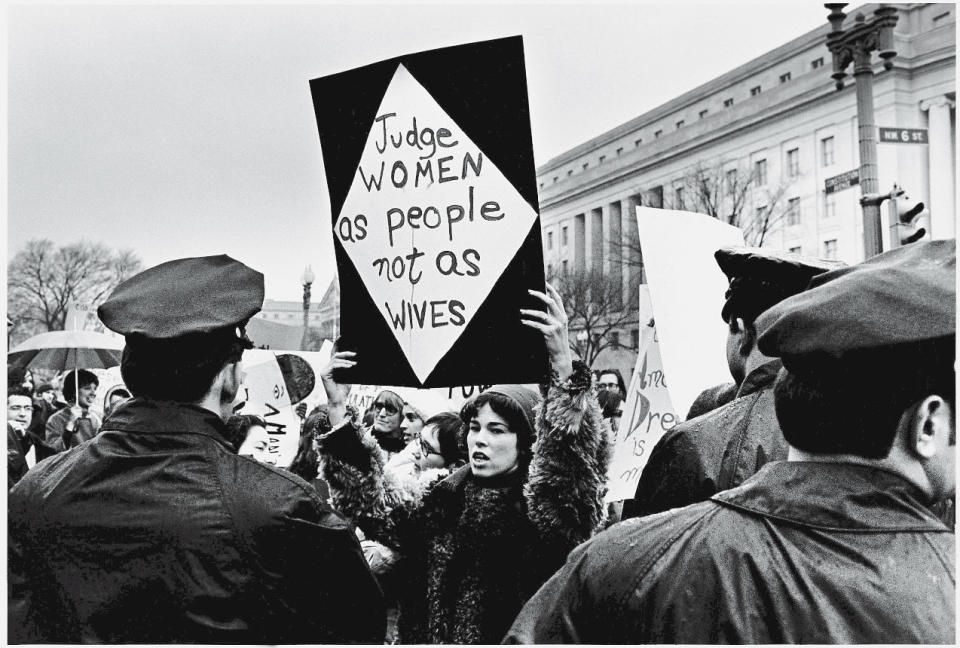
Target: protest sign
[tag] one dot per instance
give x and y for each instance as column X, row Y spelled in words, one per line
column 686, row 291
column 647, row 411
column 432, row 185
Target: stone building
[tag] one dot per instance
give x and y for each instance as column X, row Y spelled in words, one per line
column 772, row 131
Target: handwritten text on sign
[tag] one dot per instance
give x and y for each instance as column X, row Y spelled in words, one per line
column 647, row 412
column 429, row 222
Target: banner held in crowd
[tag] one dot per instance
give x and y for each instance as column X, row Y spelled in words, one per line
column 647, row 410
column 435, row 218
column 686, row 293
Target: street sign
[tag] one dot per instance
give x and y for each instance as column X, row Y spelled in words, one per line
column 904, row 135
column 842, row 181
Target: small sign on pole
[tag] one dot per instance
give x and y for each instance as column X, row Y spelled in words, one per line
column 842, row 181
column 903, row 135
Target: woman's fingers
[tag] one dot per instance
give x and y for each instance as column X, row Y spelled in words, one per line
column 539, row 315
column 543, row 328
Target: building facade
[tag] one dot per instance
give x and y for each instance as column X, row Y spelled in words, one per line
column 765, row 137
column 323, row 316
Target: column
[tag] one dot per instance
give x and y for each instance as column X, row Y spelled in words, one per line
column 596, row 240
column 613, row 253
column 940, row 161
column 630, row 240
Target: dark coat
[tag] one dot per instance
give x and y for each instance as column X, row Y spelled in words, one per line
column 472, row 551
column 17, row 448
column 155, row 531
column 713, row 452
column 801, row 553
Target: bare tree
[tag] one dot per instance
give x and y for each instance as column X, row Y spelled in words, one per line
column 44, row 280
column 738, row 195
column 595, row 309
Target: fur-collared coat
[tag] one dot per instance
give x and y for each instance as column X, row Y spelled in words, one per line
column 472, row 551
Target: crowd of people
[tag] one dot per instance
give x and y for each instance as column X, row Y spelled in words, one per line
column 807, row 501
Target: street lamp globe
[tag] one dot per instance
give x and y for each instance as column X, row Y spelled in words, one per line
column 307, row 277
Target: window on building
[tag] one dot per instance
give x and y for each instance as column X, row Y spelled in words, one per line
column 586, row 165
column 760, row 213
column 615, row 338
column 549, row 240
column 563, row 267
column 555, row 178
column 816, row 63
column 678, row 197
column 797, row 250
column 657, row 134
column 784, row 77
column 549, row 270
column 760, row 172
column 638, row 142
column 680, row 124
column 703, row 113
column 635, row 338
column 728, row 102
column 569, row 172
column 793, row 211
column 655, row 197
column 602, row 158
column 830, row 249
column 829, row 205
column 542, row 184
column 564, row 236
column 826, row 151
column 754, row 91
column 793, row 163
column 619, row 150
column 731, row 180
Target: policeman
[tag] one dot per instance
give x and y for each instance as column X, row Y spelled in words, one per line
column 720, row 449
column 155, row 531
column 836, row 544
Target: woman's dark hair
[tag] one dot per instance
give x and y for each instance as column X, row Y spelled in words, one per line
column 84, row 377
column 510, row 411
column 448, row 434
column 609, row 402
column 854, row 405
column 179, row 369
column 306, row 463
column 238, row 426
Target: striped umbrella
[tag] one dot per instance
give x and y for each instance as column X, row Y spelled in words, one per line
column 67, row 351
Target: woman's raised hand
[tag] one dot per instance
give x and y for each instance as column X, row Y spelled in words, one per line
column 553, row 325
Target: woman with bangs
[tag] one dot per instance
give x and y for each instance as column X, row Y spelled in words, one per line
column 481, row 541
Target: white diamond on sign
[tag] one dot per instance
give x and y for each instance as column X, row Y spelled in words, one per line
column 429, row 222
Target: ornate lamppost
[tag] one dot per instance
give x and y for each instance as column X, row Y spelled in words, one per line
column 857, row 45
column 306, row 279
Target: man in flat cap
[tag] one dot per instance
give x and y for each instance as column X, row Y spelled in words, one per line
column 836, row 544
column 155, row 531
column 720, row 449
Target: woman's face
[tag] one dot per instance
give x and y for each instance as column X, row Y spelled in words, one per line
column 491, row 445
column 257, row 445
column 429, row 452
column 386, row 415
column 411, row 424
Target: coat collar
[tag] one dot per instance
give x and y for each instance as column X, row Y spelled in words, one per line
column 760, row 377
column 144, row 415
column 835, row 496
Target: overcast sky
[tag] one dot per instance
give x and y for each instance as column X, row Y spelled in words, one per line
column 189, row 130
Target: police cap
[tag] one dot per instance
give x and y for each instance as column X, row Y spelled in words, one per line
column 760, row 278
column 183, row 297
column 901, row 297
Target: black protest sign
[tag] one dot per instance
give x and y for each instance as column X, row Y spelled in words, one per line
column 429, row 165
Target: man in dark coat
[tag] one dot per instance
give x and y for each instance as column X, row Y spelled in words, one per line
column 836, row 544
column 155, row 531
column 723, row 447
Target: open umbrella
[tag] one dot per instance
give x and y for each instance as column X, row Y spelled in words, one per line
column 67, row 351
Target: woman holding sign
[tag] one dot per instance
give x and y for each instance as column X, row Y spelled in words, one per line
column 480, row 542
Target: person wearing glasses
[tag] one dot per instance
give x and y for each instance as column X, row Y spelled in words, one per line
column 612, row 381
column 19, row 411
column 479, row 542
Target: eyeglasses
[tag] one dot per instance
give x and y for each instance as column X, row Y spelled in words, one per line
column 390, row 409
column 428, row 449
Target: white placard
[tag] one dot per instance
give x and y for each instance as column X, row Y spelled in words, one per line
column 686, row 291
column 647, row 411
column 430, row 222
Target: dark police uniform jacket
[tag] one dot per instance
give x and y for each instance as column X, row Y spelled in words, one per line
column 800, row 553
column 156, row 532
column 713, row 452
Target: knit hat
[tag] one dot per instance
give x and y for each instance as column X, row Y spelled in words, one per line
column 526, row 401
